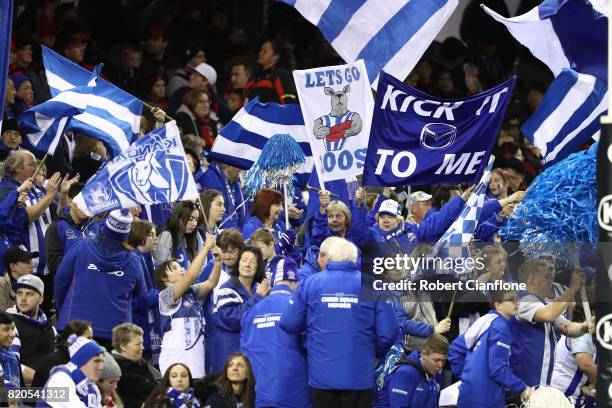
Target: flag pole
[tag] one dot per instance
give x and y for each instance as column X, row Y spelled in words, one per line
column 150, row 107
column 40, row 165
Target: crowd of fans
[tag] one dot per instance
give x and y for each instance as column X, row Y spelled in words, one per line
column 218, row 302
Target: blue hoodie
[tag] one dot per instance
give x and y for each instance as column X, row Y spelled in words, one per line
column 278, row 358
column 481, row 357
column 232, row 302
column 357, row 234
column 146, row 307
column 12, row 218
column 409, row 386
column 344, row 334
column 254, row 223
column 98, row 287
column 310, row 265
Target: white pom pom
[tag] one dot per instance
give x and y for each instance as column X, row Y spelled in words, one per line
column 547, row 397
column 72, row 339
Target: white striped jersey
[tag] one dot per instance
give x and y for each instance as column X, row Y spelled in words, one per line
column 331, row 121
column 567, row 376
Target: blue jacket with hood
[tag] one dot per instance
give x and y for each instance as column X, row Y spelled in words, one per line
column 277, row 357
column 310, row 265
column 98, row 287
column 409, row 386
column 357, row 234
column 344, row 335
column 481, row 357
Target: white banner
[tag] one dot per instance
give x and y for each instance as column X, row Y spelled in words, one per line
column 337, row 106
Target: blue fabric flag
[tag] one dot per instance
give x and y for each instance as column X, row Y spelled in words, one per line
column 6, row 18
column 153, row 170
column 241, row 141
column 419, row 139
column 112, row 115
column 390, row 35
column 45, row 123
column 568, row 115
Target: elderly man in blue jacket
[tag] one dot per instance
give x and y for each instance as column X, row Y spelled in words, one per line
column 277, row 357
column 412, row 383
column 344, row 333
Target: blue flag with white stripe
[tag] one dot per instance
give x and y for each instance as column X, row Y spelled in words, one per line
column 240, row 142
column 568, row 115
column 112, row 115
column 389, row 35
column 453, row 244
column 564, row 34
column 44, row 124
column 153, row 170
column 6, row 18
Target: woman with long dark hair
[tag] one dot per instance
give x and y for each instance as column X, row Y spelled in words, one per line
column 245, row 287
column 213, row 209
column 179, row 238
column 175, row 390
column 234, row 387
column 274, row 82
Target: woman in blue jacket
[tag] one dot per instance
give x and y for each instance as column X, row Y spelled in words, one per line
column 265, row 211
column 246, row 287
column 179, row 238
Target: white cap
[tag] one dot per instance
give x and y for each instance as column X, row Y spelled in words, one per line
column 419, row 196
column 206, row 71
column 390, row 207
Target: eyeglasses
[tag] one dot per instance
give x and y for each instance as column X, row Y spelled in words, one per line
column 511, row 299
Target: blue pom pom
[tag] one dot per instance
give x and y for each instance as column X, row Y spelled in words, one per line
column 559, row 208
column 280, row 158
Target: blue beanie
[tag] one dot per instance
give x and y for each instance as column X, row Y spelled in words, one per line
column 82, row 350
column 283, row 269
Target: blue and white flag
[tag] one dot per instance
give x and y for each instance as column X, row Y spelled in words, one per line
column 153, row 170
column 453, row 244
column 564, row 34
column 240, row 142
column 419, row 139
column 112, row 115
column 44, row 124
column 389, row 35
column 6, row 19
column 568, row 115
column 337, row 106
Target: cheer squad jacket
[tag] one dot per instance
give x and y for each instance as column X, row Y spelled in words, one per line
column 277, row 357
column 408, row 385
column 481, row 357
column 97, row 281
column 231, row 303
column 344, row 335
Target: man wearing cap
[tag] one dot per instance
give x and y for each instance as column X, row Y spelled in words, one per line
column 420, row 205
column 11, row 138
column 23, row 64
column 202, row 77
column 34, row 333
column 179, row 78
column 18, row 263
column 278, row 358
column 515, row 170
column 79, row 375
column 100, row 286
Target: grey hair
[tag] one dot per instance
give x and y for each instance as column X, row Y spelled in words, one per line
column 341, row 250
column 327, row 243
column 14, row 162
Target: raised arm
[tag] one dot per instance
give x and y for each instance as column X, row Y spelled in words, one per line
column 194, row 270
column 209, row 284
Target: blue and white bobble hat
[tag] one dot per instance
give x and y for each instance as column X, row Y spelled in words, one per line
column 82, row 349
column 283, row 268
column 118, row 225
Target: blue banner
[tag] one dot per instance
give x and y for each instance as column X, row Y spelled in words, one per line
column 6, row 18
column 420, row 139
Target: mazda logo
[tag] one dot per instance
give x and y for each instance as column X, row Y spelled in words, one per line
column 436, row 136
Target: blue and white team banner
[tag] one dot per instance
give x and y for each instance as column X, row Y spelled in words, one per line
column 419, row 139
column 6, row 19
column 568, row 115
column 112, row 115
column 389, row 35
column 564, row 34
column 239, row 143
column 153, row 170
column 337, row 105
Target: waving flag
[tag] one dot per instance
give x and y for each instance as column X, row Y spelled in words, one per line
column 240, row 142
column 387, row 34
column 111, row 115
column 454, row 241
column 563, row 34
column 6, row 18
column 568, row 115
column 153, row 170
column 44, row 124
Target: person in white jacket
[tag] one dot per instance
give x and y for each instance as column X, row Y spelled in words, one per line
column 73, row 385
